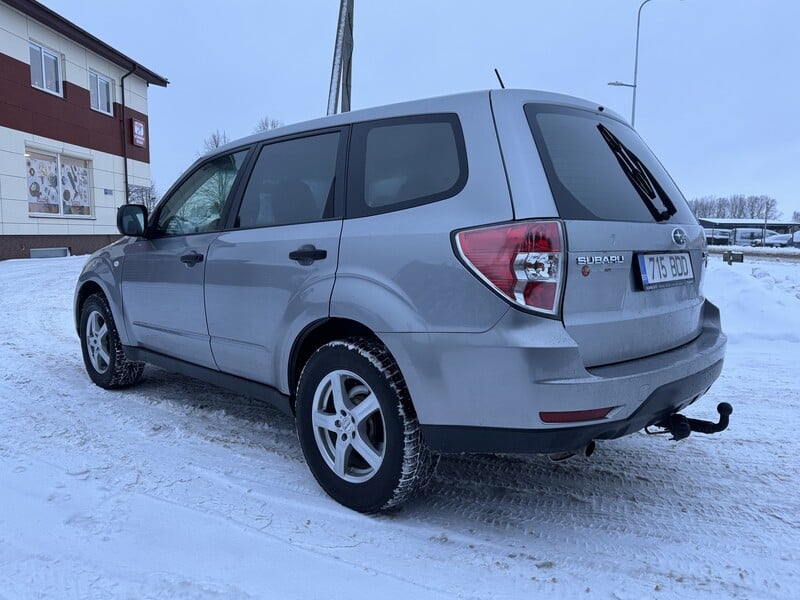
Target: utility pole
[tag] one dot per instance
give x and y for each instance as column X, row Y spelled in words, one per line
column 341, row 70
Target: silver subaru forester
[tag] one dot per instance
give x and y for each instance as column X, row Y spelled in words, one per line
column 500, row 271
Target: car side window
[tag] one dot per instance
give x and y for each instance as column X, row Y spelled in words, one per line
column 404, row 162
column 292, row 181
column 197, row 205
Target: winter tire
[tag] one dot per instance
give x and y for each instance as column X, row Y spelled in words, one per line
column 357, row 428
column 102, row 350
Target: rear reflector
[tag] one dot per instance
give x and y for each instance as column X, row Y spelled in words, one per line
column 573, row 416
column 520, row 260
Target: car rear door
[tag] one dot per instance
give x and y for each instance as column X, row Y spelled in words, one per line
column 163, row 273
column 271, row 272
column 635, row 253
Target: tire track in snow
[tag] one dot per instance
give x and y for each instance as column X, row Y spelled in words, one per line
column 705, row 517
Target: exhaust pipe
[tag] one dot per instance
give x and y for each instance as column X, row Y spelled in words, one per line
column 589, row 449
column 586, row 451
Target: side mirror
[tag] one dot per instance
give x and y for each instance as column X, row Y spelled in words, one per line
column 131, row 219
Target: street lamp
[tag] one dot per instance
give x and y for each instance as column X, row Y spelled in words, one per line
column 635, row 65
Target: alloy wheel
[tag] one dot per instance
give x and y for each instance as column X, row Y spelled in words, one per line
column 97, row 342
column 348, row 426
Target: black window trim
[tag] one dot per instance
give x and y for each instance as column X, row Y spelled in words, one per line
column 356, row 204
column 235, row 200
column 151, row 231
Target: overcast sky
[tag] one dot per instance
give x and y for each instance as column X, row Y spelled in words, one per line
column 719, row 80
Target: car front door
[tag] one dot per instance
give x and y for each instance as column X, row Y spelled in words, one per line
column 272, row 272
column 163, row 273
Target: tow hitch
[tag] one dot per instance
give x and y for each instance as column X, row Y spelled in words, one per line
column 681, row 426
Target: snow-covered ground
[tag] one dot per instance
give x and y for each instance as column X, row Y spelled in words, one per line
column 176, row 490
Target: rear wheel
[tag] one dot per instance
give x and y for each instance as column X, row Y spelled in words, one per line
column 357, row 428
column 102, row 350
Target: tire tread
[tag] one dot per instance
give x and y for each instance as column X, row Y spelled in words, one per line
column 125, row 372
column 419, row 464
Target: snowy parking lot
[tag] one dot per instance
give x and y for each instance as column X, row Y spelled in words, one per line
column 174, row 489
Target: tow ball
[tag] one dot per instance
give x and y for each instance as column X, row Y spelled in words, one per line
column 681, row 426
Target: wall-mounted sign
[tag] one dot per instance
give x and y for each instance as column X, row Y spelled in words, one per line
column 139, row 137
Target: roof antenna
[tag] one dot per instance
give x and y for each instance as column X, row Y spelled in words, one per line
column 500, row 79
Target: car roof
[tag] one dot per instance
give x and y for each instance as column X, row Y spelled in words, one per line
column 450, row 103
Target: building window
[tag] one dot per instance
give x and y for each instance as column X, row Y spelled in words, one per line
column 58, row 185
column 45, row 69
column 100, row 93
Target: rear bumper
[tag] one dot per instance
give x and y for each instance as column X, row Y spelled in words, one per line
column 659, row 405
column 484, row 392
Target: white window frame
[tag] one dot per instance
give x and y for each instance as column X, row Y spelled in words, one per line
column 46, row 52
column 96, row 79
column 60, row 193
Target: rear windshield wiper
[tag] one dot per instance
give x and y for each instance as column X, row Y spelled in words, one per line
column 640, row 177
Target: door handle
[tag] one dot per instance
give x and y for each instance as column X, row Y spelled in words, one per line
column 307, row 254
column 191, row 259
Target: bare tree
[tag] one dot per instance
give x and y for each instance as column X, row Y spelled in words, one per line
column 737, row 206
column 143, row 194
column 738, row 203
column 266, row 123
column 754, row 207
column 703, row 207
column 214, row 140
column 770, row 208
column 722, row 209
column 796, row 216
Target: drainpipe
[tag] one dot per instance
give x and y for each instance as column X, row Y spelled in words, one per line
column 124, row 135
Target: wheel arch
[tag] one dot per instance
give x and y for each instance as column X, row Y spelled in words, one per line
column 316, row 335
column 86, row 289
column 91, row 286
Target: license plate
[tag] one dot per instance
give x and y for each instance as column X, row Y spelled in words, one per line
column 662, row 270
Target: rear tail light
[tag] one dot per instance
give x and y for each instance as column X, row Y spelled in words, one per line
column 522, row 261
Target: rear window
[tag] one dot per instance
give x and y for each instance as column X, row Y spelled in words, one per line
column 599, row 168
column 404, row 162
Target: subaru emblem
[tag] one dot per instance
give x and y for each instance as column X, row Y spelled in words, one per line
column 679, row 236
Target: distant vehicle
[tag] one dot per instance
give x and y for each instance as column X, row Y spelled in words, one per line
column 750, row 236
column 778, row 241
column 717, row 237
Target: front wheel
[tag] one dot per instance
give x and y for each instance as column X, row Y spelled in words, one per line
column 358, row 431
column 102, row 349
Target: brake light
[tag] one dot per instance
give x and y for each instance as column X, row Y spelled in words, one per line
column 522, row 261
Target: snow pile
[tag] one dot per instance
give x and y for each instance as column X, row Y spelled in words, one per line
column 173, row 489
column 758, row 251
column 759, row 300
